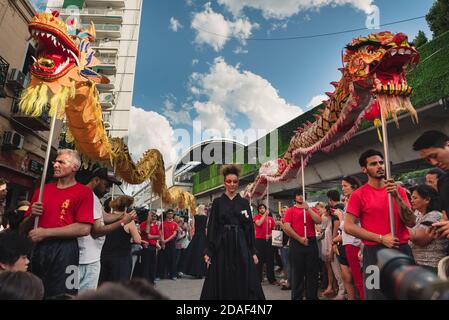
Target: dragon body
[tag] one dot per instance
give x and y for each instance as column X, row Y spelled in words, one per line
column 373, row 82
column 62, row 79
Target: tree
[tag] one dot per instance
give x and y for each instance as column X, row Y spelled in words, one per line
column 420, row 39
column 438, row 17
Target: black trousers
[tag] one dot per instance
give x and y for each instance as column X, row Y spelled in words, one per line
column 149, row 263
column 304, row 262
column 265, row 254
column 371, row 285
column 54, row 261
column 116, row 268
column 167, row 260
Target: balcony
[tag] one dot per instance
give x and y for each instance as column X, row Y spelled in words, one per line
column 106, row 30
column 97, row 15
column 105, row 87
column 105, row 44
column 107, row 120
column 41, row 123
column 107, row 100
column 105, row 3
column 107, row 59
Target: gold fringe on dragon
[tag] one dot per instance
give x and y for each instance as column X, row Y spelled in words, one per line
column 62, row 79
column 373, row 82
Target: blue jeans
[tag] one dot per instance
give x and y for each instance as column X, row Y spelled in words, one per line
column 285, row 256
column 89, row 275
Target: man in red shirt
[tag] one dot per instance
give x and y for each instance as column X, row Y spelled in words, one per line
column 304, row 259
column 65, row 213
column 167, row 256
column 369, row 205
column 263, row 226
column 150, row 233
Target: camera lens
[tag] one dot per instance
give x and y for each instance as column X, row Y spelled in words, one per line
column 401, row 279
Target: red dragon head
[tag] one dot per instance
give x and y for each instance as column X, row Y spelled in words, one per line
column 57, row 51
column 379, row 62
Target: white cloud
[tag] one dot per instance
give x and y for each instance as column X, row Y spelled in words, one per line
column 176, row 117
column 213, row 119
column 195, row 62
column 287, row 8
column 240, row 50
column 316, row 101
column 175, row 25
column 150, row 130
column 230, row 91
column 213, row 29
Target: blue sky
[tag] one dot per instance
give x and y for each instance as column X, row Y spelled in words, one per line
column 187, row 70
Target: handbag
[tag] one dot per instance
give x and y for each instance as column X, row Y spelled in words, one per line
column 277, row 238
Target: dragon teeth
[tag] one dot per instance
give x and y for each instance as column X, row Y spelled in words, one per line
column 393, row 52
column 401, row 51
column 408, row 52
column 75, row 57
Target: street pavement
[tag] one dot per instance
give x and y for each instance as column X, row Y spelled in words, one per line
column 190, row 289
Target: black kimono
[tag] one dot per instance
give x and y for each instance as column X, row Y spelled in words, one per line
column 232, row 274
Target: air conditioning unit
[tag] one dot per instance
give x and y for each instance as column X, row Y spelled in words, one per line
column 13, row 139
column 17, row 79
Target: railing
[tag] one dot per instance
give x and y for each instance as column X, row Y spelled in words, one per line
column 106, row 58
column 106, row 117
column 90, row 11
column 105, row 44
column 4, row 67
column 105, row 27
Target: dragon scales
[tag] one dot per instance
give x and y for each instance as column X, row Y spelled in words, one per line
column 373, row 82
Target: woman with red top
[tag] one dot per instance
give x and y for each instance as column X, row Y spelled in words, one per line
column 231, row 254
column 264, row 225
column 150, row 233
column 351, row 244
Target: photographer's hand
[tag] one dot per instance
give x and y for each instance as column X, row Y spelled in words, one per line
column 441, row 229
column 389, row 241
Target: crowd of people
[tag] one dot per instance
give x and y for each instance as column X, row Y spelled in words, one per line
column 74, row 245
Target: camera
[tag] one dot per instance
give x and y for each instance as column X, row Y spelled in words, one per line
column 142, row 214
column 402, row 279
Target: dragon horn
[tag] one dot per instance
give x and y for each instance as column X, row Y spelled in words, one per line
column 335, row 83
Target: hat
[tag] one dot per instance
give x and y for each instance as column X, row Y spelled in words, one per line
column 104, row 173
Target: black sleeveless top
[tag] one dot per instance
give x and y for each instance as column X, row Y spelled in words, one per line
column 117, row 243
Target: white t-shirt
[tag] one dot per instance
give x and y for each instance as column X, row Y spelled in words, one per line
column 90, row 248
column 347, row 238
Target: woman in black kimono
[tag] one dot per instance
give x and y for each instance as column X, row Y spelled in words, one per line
column 194, row 264
column 230, row 253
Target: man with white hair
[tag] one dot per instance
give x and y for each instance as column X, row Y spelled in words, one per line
column 65, row 213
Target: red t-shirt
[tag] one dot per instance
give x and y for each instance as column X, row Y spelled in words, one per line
column 170, row 227
column 154, row 231
column 370, row 206
column 261, row 232
column 295, row 216
column 63, row 207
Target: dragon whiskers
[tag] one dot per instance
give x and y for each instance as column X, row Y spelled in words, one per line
column 393, row 105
